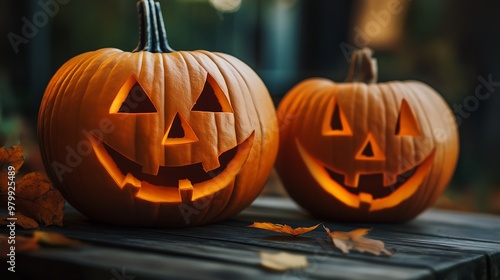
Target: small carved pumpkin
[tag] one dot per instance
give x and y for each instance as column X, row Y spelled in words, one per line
column 362, row 151
column 157, row 137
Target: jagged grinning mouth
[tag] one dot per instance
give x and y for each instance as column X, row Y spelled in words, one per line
column 373, row 183
column 370, row 188
column 169, row 176
column 176, row 183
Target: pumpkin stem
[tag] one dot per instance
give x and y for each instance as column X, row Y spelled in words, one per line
column 363, row 67
column 152, row 33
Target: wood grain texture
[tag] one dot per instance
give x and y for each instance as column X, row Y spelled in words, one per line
column 437, row 245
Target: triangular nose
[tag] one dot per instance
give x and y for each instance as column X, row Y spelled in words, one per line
column 370, row 150
column 179, row 132
column 176, row 130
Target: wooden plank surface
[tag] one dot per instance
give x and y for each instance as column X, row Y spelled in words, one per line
column 437, row 245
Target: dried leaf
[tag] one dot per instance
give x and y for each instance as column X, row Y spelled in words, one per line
column 12, row 156
column 55, row 239
column 9, row 157
column 20, row 220
column 282, row 261
column 22, row 244
column 34, row 196
column 37, row 198
column 283, row 228
column 355, row 240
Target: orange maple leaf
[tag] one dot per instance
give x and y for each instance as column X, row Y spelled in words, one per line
column 355, row 240
column 283, row 228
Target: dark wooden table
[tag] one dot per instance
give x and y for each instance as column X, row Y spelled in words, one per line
column 437, row 245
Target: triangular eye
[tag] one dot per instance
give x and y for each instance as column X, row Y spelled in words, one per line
column 132, row 99
column 406, row 124
column 212, row 98
column 335, row 122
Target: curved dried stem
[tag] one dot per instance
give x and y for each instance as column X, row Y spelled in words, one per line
column 363, row 67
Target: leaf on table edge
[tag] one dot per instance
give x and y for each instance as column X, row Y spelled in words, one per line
column 55, row 239
column 282, row 261
column 283, row 228
column 357, row 241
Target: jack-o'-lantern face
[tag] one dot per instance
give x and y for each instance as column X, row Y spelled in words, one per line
column 157, row 137
column 365, row 151
column 167, row 181
column 372, row 175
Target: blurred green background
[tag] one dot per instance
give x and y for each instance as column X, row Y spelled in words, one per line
column 446, row 44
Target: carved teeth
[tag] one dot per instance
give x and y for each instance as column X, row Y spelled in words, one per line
column 211, row 165
column 152, row 169
column 389, row 179
column 131, row 180
column 186, row 190
column 366, row 198
column 351, row 180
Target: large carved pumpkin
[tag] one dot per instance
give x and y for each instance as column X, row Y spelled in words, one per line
column 365, row 151
column 157, row 137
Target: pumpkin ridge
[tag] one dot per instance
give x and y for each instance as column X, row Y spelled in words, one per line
column 243, row 77
column 422, row 200
column 153, row 156
column 407, row 89
column 391, row 97
column 227, row 74
column 192, row 55
column 48, row 106
column 169, row 67
column 431, row 193
column 227, row 202
column 115, row 60
column 72, row 83
column 261, row 133
column 245, row 90
column 202, row 63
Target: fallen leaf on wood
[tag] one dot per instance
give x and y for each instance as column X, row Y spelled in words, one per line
column 37, row 198
column 283, row 228
column 21, row 220
column 34, row 195
column 22, row 244
column 55, row 239
column 282, row 261
column 355, row 240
